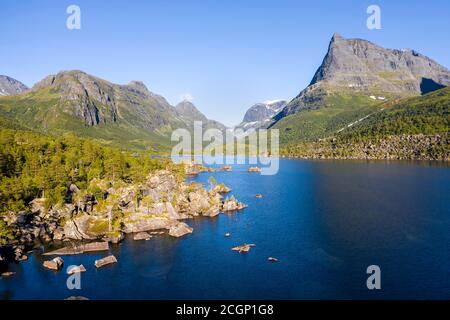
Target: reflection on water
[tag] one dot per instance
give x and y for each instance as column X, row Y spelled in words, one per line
column 325, row 221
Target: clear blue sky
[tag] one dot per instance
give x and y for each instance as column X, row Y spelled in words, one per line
column 226, row 54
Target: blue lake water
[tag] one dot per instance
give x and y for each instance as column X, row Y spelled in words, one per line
column 326, row 222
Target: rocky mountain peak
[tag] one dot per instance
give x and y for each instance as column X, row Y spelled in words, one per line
column 357, row 66
column 139, row 85
column 189, row 113
column 10, row 86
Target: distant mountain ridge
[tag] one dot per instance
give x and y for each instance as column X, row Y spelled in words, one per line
column 78, row 102
column 10, row 86
column 261, row 114
column 189, row 113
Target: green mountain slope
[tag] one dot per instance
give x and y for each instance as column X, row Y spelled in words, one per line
column 413, row 128
column 337, row 112
column 127, row 116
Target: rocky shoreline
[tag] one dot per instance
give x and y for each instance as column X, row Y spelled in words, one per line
column 399, row 147
column 159, row 205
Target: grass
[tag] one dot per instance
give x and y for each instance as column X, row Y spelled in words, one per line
column 338, row 111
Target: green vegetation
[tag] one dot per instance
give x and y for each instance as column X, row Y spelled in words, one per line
column 42, row 111
column 34, row 166
column 410, row 128
column 428, row 114
column 337, row 112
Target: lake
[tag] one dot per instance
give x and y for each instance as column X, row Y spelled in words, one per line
column 325, row 221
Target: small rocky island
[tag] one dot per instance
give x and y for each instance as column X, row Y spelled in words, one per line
column 160, row 204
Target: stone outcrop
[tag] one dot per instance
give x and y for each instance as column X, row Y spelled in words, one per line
column 180, row 229
column 155, row 206
column 231, row 204
column 142, row 236
column 401, row 147
column 54, row 264
column 105, row 261
column 243, row 248
column 75, row 249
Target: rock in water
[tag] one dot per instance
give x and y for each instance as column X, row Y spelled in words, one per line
column 76, row 298
column 180, row 229
column 142, row 236
column 76, row 269
column 78, row 249
column 243, row 248
column 105, row 261
column 221, row 188
column 54, row 264
column 232, row 204
column 272, row 259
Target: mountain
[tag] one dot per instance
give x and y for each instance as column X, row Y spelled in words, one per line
column 354, row 80
column 189, row 113
column 261, row 114
column 125, row 115
column 10, row 86
column 361, row 67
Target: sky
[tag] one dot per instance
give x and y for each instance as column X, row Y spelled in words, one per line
column 223, row 55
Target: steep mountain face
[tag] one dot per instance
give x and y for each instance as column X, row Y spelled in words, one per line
column 96, row 101
column 356, row 66
column 125, row 115
column 10, row 86
column 189, row 113
column 261, row 114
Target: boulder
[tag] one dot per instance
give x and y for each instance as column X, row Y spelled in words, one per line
column 199, row 201
column 58, row 234
column 142, row 236
column 232, row 204
column 116, row 237
column 140, row 222
column 76, row 298
column 79, row 249
column 76, row 229
column 243, row 248
column 105, row 261
column 54, row 264
column 221, row 188
column 180, row 229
